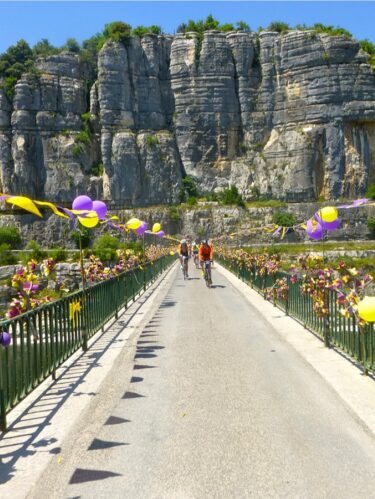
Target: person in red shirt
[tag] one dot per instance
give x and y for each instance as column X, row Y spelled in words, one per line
column 205, row 255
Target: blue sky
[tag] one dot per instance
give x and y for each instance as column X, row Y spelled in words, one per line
column 58, row 21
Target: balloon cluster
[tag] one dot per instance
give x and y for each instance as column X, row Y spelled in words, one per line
column 91, row 211
column 326, row 218
column 5, row 339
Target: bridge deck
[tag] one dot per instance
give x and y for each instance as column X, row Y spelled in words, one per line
column 214, row 404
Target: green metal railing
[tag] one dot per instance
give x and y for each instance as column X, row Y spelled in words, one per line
column 334, row 330
column 44, row 338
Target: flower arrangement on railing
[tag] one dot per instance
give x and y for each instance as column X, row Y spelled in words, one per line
column 348, row 283
column 29, row 281
column 316, row 280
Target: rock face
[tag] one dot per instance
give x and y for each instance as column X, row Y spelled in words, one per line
column 286, row 116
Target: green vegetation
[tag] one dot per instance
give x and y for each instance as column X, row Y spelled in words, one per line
column 35, row 252
column 371, row 226
column 266, row 203
column 188, row 188
column 6, row 255
column 283, row 218
column 97, row 169
column 192, row 201
column 85, row 236
column 371, row 191
column 174, row 213
column 105, row 247
column 146, row 30
column 279, row 27
column 10, row 235
column 199, row 27
column 231, row 196
column 328, row 30
column 117, row 31
column 152, row 140
column 369, row 47
column 44, row 48
column 58, row 254
column 18, row 59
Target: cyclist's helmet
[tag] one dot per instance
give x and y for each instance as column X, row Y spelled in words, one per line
column 183, row 241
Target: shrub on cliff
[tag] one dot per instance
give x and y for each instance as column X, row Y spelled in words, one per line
column 283, row 218
column 231, row 196
column 10, row 235
column 117, row 31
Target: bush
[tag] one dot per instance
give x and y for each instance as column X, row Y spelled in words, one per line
column 58, row 254
column 231, row 196
column 152, row 140
column 10, row 235
column 188, row 188
column 371, row 191
column 283, row 218
column 35, row 253
column 191, row 201
column 85, row 237
column 6, row 256
column 371, row 226
column 174, row 213
column 97, row 169
column 279, row 26
column 105, row 247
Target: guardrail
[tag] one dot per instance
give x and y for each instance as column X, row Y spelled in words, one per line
column 334, row 330
column 42, row 339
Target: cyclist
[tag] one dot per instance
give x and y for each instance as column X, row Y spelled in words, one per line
column 184, row 252
column 195, row 251
column 205, row 255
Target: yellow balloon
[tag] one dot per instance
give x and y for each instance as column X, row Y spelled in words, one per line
column 89, row 222
column 328, row 214
column 133, row 223
column 366, row 309
column 24, row 203
column 171, row 253
column 156, row 227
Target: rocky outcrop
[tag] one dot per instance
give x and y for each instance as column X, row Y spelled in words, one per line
column 286, row 116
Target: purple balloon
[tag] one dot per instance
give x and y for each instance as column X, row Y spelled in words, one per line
column 82, row 203
column 327, row 225
column 161, row 233
column 141, row 229
column 101, row 209
column 5, row 339
column 314, row 232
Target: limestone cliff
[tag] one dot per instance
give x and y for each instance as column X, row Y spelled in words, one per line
column 287, row 116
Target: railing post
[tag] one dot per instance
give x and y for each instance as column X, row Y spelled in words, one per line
column 84, row 322
column 326, row 332
column 361, row 332
column 3, row 415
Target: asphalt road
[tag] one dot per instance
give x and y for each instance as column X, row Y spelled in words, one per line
column 210, row 403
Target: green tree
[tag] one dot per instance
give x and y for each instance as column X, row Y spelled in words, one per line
column 71, row 45
column 144, row 30
column 242, row 26
column 279, row 26
column 117, row 31
column 43, row 48
column 16, row 61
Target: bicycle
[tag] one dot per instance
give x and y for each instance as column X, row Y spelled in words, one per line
column 196, row 260
column 207, row 272
column 185, row 267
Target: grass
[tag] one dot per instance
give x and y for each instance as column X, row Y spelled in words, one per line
column 266, row 203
